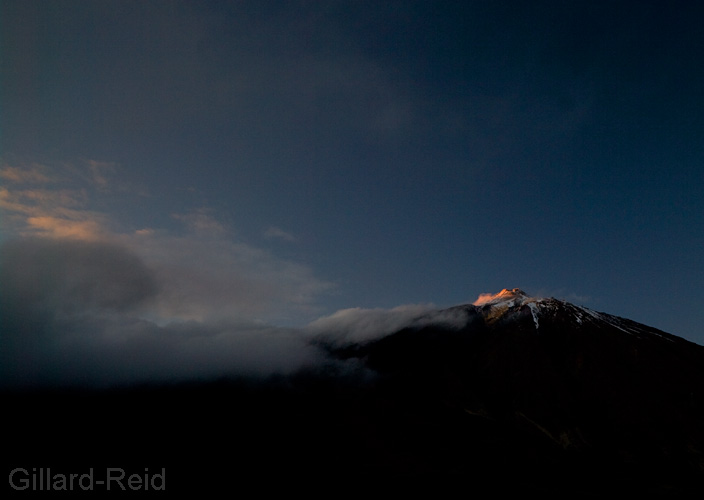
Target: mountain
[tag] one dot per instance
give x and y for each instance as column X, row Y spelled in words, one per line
column 512, row 394
column 605, row 400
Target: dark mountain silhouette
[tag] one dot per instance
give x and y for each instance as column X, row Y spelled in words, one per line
column 521, row 395
column 604, row 400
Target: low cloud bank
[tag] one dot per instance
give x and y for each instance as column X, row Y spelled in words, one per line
column 90, row 313
column 357, row 325
column 349, row 326
column 82, row 313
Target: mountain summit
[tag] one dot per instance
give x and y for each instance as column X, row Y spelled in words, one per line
column 514, row 306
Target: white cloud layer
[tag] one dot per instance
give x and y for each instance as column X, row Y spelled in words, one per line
column 358, row 325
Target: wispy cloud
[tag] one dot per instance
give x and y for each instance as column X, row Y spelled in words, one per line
column 65, row 228
column 51, row 201
column 101, row 172
column 484, row 298
column 274, row 232
column 34, row 173
column 207, row 278
column 202, row 222
column 44, row 212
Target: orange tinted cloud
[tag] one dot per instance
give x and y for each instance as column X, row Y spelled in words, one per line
column 55, row 212
column 33, row 174
column 504, row 294
column 44, row 212
column 30, row 200
column 66, row 228
column 484, row 298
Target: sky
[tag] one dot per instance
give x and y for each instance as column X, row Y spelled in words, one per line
column 261, row 166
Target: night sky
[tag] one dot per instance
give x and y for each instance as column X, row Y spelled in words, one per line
column 170, row 167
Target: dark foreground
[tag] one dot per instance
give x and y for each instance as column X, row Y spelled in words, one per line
column 319, row 436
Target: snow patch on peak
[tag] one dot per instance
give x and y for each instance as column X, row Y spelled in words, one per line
column 534, row 311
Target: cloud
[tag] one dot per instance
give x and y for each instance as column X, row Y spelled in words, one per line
column 353, row 325
column 65, row 228
column 59, row 210
column 34, row 173
column 200, row 221
column 67, row 275
column 82, row 303
column 277, row 233
column 484, row 298
column 358, row 325
column 101, row 173
column 216, row 277
column 78, row 312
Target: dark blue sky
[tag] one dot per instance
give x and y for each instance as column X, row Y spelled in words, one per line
column 288, row 159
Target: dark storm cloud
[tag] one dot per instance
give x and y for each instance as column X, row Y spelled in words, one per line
column 69, row 275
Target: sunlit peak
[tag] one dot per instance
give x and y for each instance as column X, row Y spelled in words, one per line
column 503, row 295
